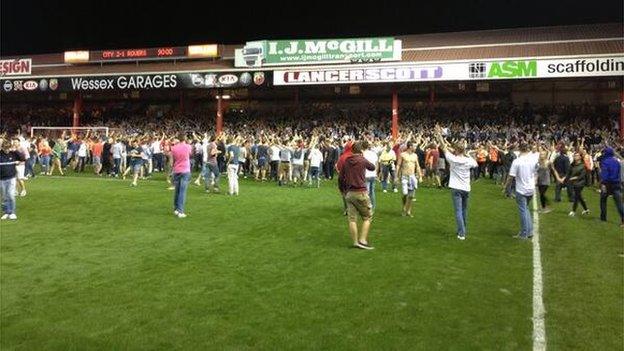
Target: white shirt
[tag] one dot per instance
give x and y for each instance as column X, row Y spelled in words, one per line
column 156, row 147
column 82, row 150
column 315, row 157
column 524, row 169
column 24, row 145
column 459, row 167
column 275, row 150
column 205, row 143
column 198, row 147
column 371, row 157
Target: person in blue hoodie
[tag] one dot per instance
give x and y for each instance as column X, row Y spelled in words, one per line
column 610, row 170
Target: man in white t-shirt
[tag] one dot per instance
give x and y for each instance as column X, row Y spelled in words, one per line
column 523, row 171
column 274, row 153
column 157, row 155
column 371, row 176
column 459, row 182
column 315, row 157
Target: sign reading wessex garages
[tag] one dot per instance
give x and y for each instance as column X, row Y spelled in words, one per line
column 302, row 52
column 199, row 80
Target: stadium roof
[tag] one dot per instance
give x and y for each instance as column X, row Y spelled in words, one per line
column 593, row 39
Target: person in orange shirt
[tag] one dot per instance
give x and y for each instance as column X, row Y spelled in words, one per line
column 97, row 147
column 44, row 155
column 493, row 160
column 481, row 161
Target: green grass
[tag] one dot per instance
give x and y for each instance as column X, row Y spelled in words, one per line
column 93, row 264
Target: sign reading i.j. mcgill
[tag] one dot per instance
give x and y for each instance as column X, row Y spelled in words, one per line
column 301, row 52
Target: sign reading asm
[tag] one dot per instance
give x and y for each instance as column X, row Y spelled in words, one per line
column 15, row 67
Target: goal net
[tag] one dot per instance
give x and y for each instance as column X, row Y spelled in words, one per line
column 76, row 131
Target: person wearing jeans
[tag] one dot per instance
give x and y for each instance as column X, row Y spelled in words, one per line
column 181, row 182
column 526, row 221
column 460, row 166
column 610, row 176
column 523, row 171
column 371, row 176
column 9, row 158
column 460, row 204
column 44, row 152
column 387, row 160
column 8, row 187
column 181, row 153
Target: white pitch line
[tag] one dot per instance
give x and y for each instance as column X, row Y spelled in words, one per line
column 539, row 327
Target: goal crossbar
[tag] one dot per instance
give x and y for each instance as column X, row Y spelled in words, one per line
column 72, row 129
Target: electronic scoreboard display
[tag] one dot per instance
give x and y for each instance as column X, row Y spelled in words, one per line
column 138, row 54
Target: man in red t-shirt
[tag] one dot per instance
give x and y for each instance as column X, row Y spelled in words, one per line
column 353, row 186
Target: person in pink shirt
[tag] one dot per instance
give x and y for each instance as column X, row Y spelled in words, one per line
column 181, row 154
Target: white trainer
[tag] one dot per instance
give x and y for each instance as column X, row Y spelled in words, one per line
column 23, row 193
column 176, row 212
column 586, row 212
column 181, row 215
column 4, row 216
column 12, row 216
column 461, row 237
column 571, row 214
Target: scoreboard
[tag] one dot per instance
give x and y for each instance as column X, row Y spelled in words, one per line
column 150, row 54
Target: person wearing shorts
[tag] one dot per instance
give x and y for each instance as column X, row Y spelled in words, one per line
column 297, row 165
column 408, row 170
column 262, row 154
column 20, row 168
column 353, row 183
column 285, row 154
column 136, row 161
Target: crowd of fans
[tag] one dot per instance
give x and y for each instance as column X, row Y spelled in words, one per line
column 302, row 145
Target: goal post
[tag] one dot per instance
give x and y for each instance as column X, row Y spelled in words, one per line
column 72, row 130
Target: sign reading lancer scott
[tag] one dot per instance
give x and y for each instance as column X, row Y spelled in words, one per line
column 286, row 52
column 356, row 75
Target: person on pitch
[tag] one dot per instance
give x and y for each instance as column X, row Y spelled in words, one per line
column 353, row 182
column 460, row 165
column 409, row 171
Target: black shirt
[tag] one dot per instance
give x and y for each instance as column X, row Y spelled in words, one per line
column 8, row 160
column 562, row 164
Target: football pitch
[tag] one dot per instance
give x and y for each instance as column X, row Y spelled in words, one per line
column 93, row 264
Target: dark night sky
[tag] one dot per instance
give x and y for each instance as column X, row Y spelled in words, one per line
column 31, row 27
